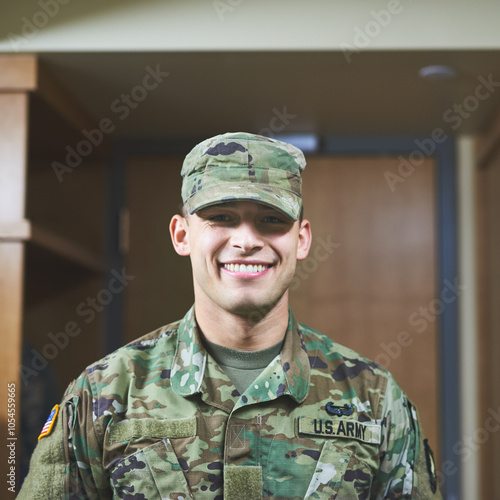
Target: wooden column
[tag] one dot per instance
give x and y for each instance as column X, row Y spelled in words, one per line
column 17, row 78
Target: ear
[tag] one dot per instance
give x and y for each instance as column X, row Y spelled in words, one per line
column 305, row 239
column 179, row 234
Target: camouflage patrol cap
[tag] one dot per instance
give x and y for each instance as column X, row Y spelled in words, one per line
column 242, row 166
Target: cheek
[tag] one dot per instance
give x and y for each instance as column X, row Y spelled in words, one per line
column 203, row 255
column 287, row 248
column 291, row 270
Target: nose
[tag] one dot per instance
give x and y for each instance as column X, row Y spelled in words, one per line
column 246, row 237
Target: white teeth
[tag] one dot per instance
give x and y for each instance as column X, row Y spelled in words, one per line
column 249, row 268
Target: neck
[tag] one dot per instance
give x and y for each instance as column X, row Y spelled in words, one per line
column 237, row 331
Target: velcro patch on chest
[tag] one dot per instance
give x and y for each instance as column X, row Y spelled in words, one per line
column 152, row 428
column 341, row 428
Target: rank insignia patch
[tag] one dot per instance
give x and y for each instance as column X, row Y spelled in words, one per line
column 47, row 428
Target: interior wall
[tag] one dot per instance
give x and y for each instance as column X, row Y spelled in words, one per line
column 219, row 25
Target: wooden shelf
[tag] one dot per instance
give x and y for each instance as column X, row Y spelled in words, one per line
column 53, row 242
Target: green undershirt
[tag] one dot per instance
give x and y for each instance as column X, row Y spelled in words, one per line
column 242, row 367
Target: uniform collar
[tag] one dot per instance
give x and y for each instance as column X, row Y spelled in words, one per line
column 193, row 369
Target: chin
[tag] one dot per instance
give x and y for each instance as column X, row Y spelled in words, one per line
column 254, row 311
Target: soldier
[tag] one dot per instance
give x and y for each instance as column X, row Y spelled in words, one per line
column 237, row 400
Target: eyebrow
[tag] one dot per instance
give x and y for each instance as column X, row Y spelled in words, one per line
column 232, row 204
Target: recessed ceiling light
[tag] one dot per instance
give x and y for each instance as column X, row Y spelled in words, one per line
column 437, row 72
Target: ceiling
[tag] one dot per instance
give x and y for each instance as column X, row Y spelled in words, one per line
column 205, row 93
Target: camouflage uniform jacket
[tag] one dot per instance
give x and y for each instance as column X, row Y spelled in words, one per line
column 159, row 419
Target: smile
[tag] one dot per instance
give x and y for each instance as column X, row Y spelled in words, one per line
column 246, row 268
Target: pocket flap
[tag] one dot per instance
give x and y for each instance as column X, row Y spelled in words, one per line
column 152, row 472
column 329, row 474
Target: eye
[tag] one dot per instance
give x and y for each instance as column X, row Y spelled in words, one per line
column 219, row 218
column 273, row 219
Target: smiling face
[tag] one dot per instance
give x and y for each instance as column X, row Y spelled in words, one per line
column 243, row 255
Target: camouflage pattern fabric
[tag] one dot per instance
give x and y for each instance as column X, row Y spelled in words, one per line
column 242, row 166
column 159, row 419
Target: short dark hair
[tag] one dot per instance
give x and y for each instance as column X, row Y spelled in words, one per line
column 184, row 211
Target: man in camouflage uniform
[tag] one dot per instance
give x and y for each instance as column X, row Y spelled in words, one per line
column 237, row 400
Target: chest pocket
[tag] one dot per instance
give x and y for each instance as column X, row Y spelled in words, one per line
column 339, row 474
column 329, row 474
column 153, row 471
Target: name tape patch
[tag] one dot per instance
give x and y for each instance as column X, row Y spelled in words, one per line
column 49, row 424
column 151, row 428
column 341, row 428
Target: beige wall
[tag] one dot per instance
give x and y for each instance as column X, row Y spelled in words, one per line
column 248, row 25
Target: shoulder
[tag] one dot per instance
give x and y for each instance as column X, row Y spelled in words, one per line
column 335, row 354
column 347, row 369
column 146, row 354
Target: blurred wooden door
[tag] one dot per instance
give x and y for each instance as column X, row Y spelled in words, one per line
column 370, row 279
column 370, row 276
column 487, row 436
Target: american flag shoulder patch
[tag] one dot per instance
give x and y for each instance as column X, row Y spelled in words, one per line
column 47, row 428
